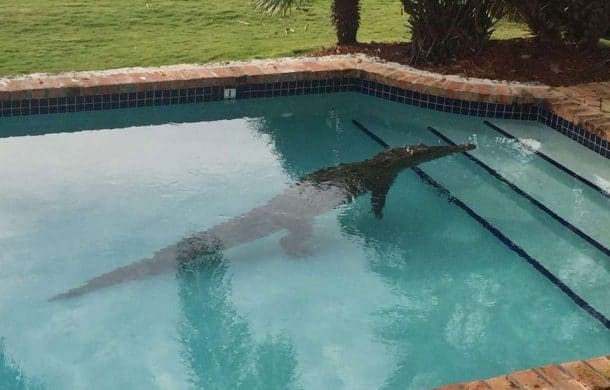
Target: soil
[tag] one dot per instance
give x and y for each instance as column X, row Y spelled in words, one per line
column 512, row 59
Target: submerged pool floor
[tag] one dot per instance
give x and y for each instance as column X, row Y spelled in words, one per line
column 423, row 297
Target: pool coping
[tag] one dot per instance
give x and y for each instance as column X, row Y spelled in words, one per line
column 134, row 87
column 586, row 374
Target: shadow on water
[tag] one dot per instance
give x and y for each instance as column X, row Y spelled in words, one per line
column 430, row 310
column 11, row 376
column 471, row 300
column 218, row 345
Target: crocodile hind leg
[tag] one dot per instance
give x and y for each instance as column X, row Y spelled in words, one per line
column 299, row 232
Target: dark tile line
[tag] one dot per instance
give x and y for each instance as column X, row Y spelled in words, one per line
column 306, row 87
column 370, row 134
column 509, row 244
column 550, row 160
column 525, row 195
column 484, row 109
column 576, row 133
column 109, row 101
column 276, row 89
column 295, row 88
column 446, row 104
column 517, row 249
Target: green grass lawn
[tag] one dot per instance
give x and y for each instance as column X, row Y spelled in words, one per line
column 62, row 35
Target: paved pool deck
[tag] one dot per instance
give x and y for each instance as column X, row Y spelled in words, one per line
column 590, row 374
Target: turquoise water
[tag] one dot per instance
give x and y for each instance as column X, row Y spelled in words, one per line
column 424, row 297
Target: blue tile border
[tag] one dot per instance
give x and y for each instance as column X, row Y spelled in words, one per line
column 578, row 134
column 109, row 101
column 440, row 103
column 306, row 87
column 296, row 88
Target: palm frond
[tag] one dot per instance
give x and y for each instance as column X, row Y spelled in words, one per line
column 275, row 7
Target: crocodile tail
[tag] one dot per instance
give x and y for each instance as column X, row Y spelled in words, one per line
column 163, row 261
column 181, row 254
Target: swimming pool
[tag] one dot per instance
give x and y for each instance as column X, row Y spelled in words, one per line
column 464, row 277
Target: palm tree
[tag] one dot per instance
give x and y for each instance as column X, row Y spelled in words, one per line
column 345, row 16
column 218, row 344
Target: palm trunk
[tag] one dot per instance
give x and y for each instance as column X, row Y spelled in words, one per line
column 345, row 15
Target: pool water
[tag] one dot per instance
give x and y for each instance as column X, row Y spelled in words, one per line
column 423, row 297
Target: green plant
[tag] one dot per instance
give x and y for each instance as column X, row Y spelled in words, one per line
column 60, row 36
column 345, row 16
column 445, row 29
column 554, row 22
column 542, row 17
column 275, row 7
column 585, row 21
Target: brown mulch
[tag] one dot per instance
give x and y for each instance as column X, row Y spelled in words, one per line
column 513, row 59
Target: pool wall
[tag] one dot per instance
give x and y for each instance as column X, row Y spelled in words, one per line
column 135, row 87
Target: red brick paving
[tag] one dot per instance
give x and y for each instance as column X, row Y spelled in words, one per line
column 591, row 374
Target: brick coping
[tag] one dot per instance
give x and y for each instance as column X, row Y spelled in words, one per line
column 357, row 58
column 239, row 72
column 562, row 102
column 582, row 374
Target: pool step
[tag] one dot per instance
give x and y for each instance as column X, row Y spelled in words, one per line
column 525, row 195
column 581, row 374
column 549, row 262
column 546, row 158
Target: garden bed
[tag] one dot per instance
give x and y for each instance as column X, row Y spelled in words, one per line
column 512, row 59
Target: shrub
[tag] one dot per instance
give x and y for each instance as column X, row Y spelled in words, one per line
column 542, row 17
column 555, row 22
column 585, row 21
column 443, row 29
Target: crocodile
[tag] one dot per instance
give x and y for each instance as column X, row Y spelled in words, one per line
column 293, row 211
